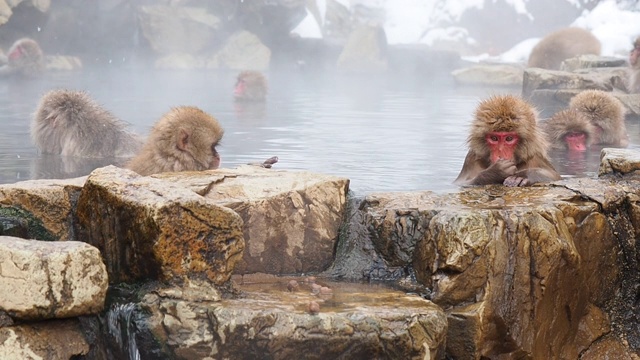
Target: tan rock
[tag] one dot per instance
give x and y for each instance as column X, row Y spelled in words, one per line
column 63, row 63
column 152, row 229
column 358, row 321
column 537, row 79
column 291, row 219
column 609, row 347
column 619, row 161
column 589, row 61
column 50, row 279
column 5, row 12
column 50, row 201
column 364, row 51
column 490, row 74
column 46, row 340
column 241, row 51
column 177, row 29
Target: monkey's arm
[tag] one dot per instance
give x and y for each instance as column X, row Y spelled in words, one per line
column 474, row 173
column 535, row 171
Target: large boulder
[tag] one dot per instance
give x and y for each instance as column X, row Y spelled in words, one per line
column 241, row 51
column 50, row 279
column 490, row 74
column 273, row 319
column 365, row 51
column 47, row 340
column 151, row 229
column 291, row 219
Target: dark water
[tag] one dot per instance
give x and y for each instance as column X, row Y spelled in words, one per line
column 385, row 134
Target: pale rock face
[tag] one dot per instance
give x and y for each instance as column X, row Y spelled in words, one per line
column 42, row 279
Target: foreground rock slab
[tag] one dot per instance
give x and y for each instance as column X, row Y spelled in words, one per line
column 291, row 219
column 152, row 229
column 47, row 340
column 272, row 319
column 43, row 280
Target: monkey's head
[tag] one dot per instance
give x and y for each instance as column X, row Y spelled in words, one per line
column 635, row 54
column 186, row 137
column 250, row 85
column 505, row 127
column 603, row 110
column 26, row 54
column 571, row 130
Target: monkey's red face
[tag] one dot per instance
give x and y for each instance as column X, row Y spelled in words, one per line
column 576, row 141
column 633, row 57
column 17, row 53
column 502, row 145
column 240, row 88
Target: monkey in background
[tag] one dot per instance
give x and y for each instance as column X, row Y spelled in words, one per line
column 184, row 139
column 71, row 123
column 606, row 114
column 250, row 86
column 569, row 130
column 24, row 58
column 506, row 146
column 563, row 44
column 634, row 63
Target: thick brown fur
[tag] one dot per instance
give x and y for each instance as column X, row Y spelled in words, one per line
column 506, row 113
column 634, row 63
column 184, row 139
column 255, row 86
column 71, row 123
column 24, row 58
column 563, row 44
column 606, row 113
column 565, row 122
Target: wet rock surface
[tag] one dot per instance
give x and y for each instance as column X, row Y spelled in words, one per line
column 150, row 229
column 268, row 320
column 47, row 340
column 291, row 219
column 50, row 279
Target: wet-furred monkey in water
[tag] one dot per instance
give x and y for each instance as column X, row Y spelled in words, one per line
column 184, row 139
column 569, row 130
column 606, row 114
column 250, row 86
column 24, row 58
column 506, row 145
column 71, row 123
column 634, row 63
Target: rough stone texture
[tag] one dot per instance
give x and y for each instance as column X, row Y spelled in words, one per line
column 167, row 27
column 43, row 279
column 152, row 229
column 291, row 219
column 46, row 340
column 592, row 61
column 51, row 201
column 619, row 161
column 537, row 79
column 490, row 74
column 62, row 62
column 514, row 267
column 609, row 348
column 355, row 321
column 242, row 51
column 365, row 51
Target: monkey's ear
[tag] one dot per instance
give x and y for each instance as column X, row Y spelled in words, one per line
column 183, row 140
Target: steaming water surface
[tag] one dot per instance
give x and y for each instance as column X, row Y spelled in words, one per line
column 385, row 134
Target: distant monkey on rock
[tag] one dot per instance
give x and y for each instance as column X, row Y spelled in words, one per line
column 71, row 123
column 563, row 44
column 506, row 146
column 184, row 139
column 606, row 114
column 634, row 63
column 250, row 86
column 24, row 58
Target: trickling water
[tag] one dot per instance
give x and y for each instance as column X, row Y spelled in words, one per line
column 122, row 328
column 384, row 133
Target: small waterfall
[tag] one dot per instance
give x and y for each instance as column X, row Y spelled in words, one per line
column 123, row 329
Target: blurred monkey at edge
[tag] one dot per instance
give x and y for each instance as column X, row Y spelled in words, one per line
column 24, row 58
column 250, row 86
column 563, row 44
column 634, row 63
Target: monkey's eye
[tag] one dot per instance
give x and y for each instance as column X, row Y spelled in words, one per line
column 509, row 138
column 494, row 138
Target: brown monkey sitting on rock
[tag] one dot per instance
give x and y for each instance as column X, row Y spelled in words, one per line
column 563, row 44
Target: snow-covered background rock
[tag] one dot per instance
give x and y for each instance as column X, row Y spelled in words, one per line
column 497, row 30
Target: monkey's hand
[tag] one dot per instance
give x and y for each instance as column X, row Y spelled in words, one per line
column 267, row 163
column 503, row 168
column 513, row 181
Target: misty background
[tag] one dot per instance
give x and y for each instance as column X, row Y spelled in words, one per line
column 392, row 120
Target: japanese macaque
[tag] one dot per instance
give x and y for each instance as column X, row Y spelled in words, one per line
column 634, row 62
column 24, row 58
column 250, row 86
column 71, row 123
column 506, row 146
column 563, row 44
column 606, row 114
column 184, row 139
column 569, row 130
